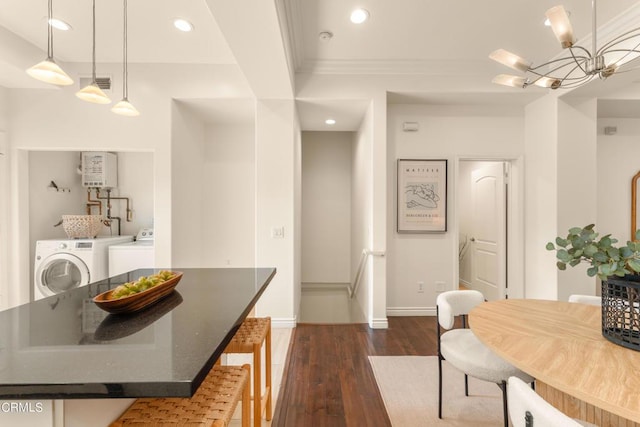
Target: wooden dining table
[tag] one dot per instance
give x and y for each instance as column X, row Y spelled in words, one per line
column 561, row 345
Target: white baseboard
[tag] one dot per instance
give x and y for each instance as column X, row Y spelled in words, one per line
column 380, row 323
column 312, row 286
column 411, row 311
column 283, row 323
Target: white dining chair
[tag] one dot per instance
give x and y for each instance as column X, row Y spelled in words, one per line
column 464, row 351
column 528, row 409
column 585, row 299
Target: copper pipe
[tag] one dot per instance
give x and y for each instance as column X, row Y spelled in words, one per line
column 109, row 198
column 90, row 203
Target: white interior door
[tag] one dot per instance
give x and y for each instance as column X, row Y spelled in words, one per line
column 489, row 231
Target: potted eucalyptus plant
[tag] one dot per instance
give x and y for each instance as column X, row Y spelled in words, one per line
column 618, row 267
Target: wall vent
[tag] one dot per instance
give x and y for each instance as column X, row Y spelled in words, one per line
column 104, row 83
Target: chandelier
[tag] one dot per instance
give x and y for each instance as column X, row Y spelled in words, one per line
column 579, row 66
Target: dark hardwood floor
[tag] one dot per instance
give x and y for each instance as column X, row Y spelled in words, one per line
column 328, row 380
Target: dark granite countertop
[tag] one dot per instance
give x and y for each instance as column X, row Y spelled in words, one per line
column 65, row 347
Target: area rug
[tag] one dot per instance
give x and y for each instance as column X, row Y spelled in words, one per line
column 409, row 388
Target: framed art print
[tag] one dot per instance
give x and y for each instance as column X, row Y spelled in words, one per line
column 422, row 196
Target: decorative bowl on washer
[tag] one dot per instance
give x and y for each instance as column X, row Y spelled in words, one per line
column 82, row 226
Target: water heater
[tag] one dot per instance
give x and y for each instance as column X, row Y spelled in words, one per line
column 99, row 169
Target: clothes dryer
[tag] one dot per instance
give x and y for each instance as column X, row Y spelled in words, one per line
column 64, row 264
column 125, row 257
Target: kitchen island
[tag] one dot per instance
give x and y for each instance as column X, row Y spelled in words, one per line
column 65, row 347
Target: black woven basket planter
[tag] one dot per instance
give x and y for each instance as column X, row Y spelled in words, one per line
column 621, row 311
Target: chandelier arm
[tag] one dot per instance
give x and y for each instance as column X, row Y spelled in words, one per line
column 585, row 50
column 619, row 39
column 578, row 62
column 582, row 81
column 627, row 52
column 550, row 72
column 569, row 59
column 566, row 77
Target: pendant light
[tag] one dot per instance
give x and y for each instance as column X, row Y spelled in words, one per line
column 48, row 71
column 92, row 92
column 124, row 107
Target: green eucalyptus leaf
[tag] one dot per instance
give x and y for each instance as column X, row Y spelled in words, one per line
column 605, row 241
column 574, row 262
column 590, row 249
column 605, row 269
column 592, row 271
column 561, row 266
column 550, row 246
column 575, row 230
column 600, row 257
column 634, row 265
column 563, row 255
column 561, row 242
column 613, row 253
column 625, row 252
column 637, row 235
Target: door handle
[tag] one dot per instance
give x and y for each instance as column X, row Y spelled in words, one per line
column 473, row 239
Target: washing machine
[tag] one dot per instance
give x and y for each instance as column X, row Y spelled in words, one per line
column 64, row 264
column 130, row 256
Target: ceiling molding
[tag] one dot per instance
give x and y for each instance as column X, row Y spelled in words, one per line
column 395, row 67
column 295, row 32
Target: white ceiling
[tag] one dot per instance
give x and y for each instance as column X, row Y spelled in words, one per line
column 151, row 35
column 416, row 37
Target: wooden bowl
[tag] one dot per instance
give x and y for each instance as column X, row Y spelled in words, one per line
column 135, row 302
column 117, row 326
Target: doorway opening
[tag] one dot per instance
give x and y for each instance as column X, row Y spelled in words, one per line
column 327, row 231
column 489, row 228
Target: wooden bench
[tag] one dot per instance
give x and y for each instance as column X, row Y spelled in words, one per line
column 212, row 404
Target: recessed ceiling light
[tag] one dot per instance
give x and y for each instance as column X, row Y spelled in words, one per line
column 183, row 25
column 59, row 24
column 358, row 16
column 330, row 122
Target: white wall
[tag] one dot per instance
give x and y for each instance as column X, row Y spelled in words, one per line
column 361, row 209
column 444, row 133
column 326, row 207
column 577, row 183
column 228, row 196
column 275, row 206
column 541, row 197
column 297, row 216
column 617, row 164
column 187, row 164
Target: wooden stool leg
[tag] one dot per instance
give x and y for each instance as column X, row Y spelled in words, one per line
column 257, row 389
column 268, row 372
column 246, row 399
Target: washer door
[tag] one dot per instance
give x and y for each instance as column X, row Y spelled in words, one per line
column 60, row 273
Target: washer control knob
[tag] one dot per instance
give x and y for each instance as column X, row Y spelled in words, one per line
column 62, row 246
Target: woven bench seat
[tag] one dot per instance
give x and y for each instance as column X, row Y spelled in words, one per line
column 249, row 338
column 212, row 404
